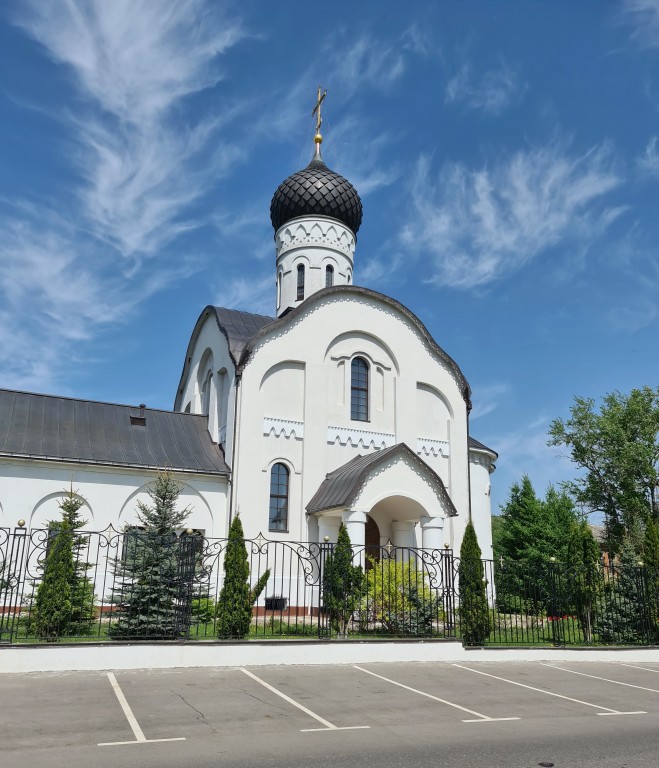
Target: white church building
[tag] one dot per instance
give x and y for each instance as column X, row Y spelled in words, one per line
column 341, row 407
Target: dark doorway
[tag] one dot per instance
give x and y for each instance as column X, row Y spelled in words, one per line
column 372, row 541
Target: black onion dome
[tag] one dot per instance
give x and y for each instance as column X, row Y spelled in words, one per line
column 316, row 190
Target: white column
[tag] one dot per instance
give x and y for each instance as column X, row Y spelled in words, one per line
column 402, row 535
column 328, row 526
column 355, row 523
column 432, row 532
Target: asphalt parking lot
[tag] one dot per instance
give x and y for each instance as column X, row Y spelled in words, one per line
column 512, row 715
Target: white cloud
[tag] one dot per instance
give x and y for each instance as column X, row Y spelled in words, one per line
column 478, row 225
column 648, row 162
column 643, row 15
column 492, row 93
column 487, row 399
column 366, row 60
column 254, row 294
column 142, row 165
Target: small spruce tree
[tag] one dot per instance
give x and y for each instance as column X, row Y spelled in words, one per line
column 474, row 611
column 153, row 586
column 343, row 584
column 234, row 608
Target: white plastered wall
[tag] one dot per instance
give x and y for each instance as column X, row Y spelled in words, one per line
column 322, row 340
column 481, row 467
column 30, row 490
column 211, row 354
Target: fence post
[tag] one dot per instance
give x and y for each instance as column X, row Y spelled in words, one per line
column 14, row 574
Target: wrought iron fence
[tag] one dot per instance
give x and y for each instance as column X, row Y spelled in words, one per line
column 66, row 586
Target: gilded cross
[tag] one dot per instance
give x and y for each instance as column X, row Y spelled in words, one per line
column 316, row 110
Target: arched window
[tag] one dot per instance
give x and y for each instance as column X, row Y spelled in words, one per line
column 349, row 278
column 300, row 282
column 359, row 390
column 278, row 498
column 278, row 290
column 329, row 276
column 206, row 393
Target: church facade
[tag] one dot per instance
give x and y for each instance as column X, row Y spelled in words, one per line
column 339, row 408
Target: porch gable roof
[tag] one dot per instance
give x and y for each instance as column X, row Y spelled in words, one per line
column 342, row 486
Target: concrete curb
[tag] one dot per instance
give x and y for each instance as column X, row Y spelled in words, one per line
column 96, row 657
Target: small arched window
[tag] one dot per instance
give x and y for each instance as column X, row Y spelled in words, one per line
column 278, row 513
column 206, row 393
column 349, row 278
column 329, row 276
column 278, row 290
column 359, row 389
column 300, row 282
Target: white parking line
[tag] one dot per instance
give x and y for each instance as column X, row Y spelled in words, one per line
column 328, row 726
column 605, row 679
column 645, row 669
column 481, row 718
column 140, row 738
column 606, row 711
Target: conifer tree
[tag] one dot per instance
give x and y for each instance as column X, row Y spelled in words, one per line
column 474, row 611
column 622, row 609
column 53, row 602
column 343, row 583
column 153, row 579
column 234, row 609
column 651, row 560
column 584, row 574
column 65, row 554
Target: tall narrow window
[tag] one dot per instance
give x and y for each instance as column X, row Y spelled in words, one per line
column 206, row 393
column 278, row 290
column 300, row 282
column 359, row 390
column 329, row 276
column 279, row 497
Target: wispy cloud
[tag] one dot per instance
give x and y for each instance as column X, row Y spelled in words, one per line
column 492, row 93
column 141, row 168
column 254, row 294
column 643, row 16
column 487, row 399
column 648, row 162
column 479, row 225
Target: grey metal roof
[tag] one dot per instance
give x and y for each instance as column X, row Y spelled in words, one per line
column 340, row 487
column 473, row 443
column 237, row 327
column 88, row 432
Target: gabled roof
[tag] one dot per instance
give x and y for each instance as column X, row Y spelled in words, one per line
column 340, row 487
column 291, row 317
column 54, row 428
column 478, row 446
column 237, row 328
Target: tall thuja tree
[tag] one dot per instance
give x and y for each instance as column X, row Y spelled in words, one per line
column 623, row 615
column 53, row 605
column 651, row 560
column 584, row 575
column 82, row 587
column 474, row 610
column 65, row 610
column 343, row 584
column 234, row 610
column 153, row 578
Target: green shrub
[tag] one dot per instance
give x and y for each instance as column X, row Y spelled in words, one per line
column 203, row 610
column 399, row 597
column 343, row 584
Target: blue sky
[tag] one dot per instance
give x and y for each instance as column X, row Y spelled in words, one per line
column 507, row 154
